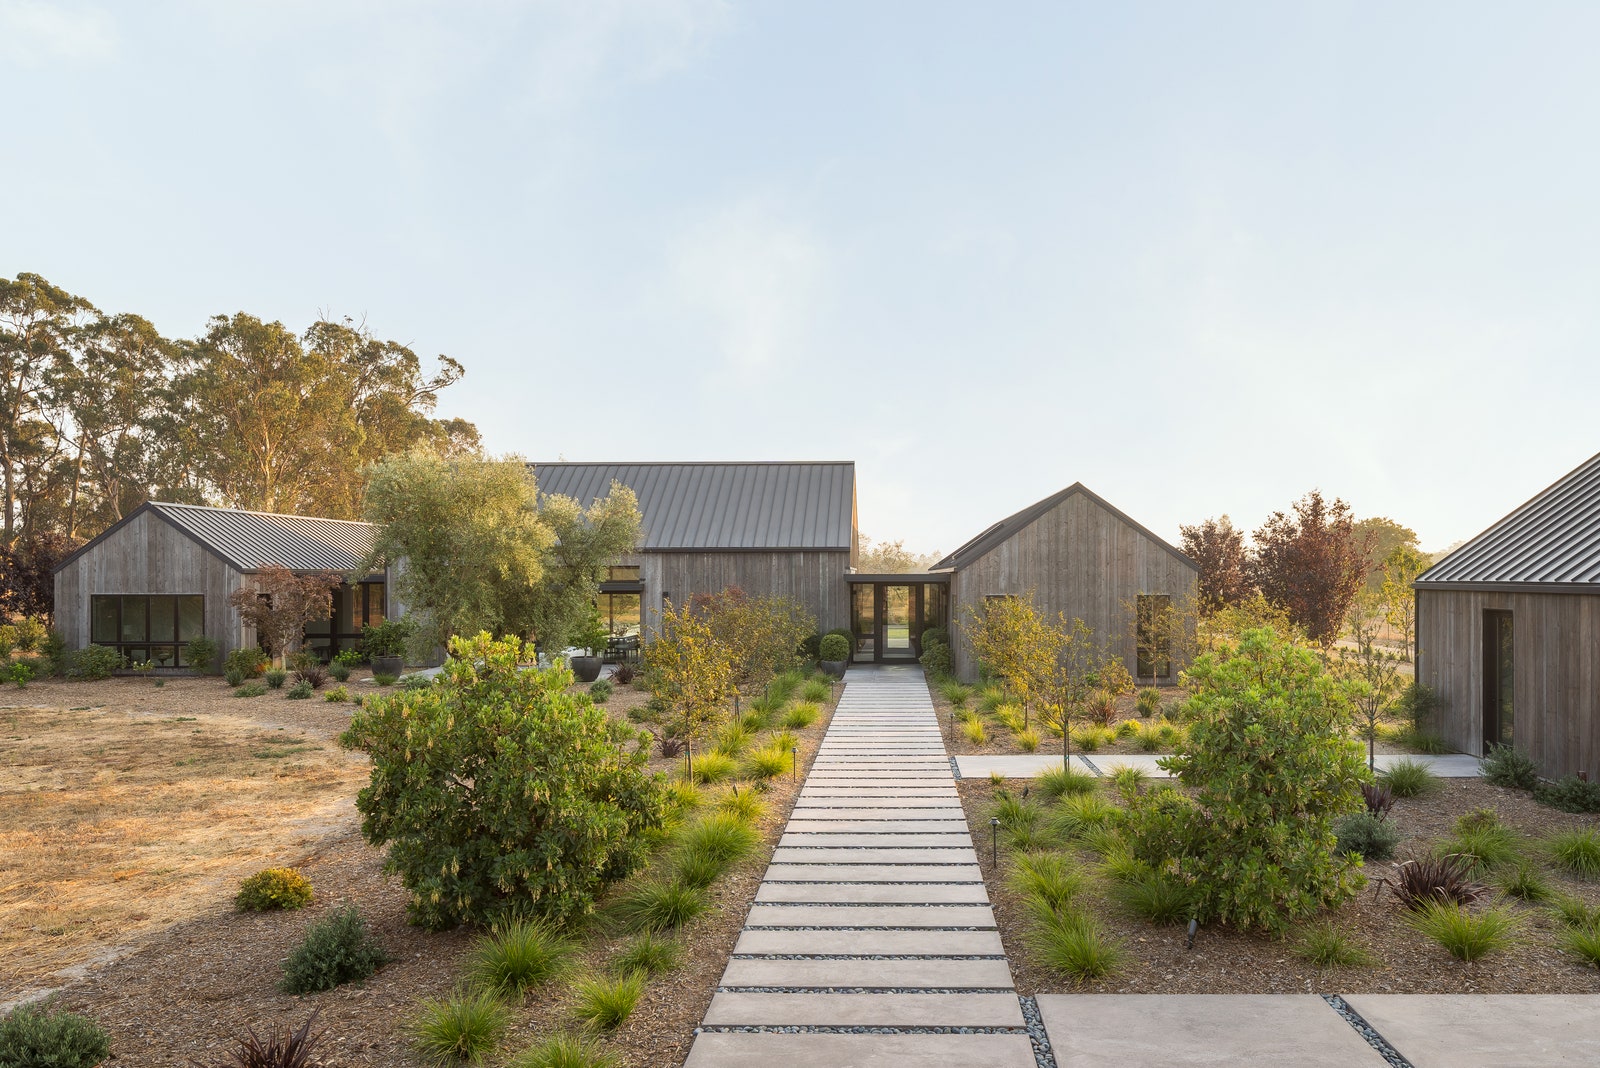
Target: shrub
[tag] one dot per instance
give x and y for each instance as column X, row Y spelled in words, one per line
column 1129, row 780
column 649, row 953
column 36, row 1036
column 815, row 691
column 604, row 1003
column 8, row 639
column 21, row 673
column 460, row 1029
column 339, row 671
column 292, row 1049
column 416, row 681
column 564, row 1051
column 1102, row 707
column 252, row 689
column 1433, row 880
column 660, row 906
column 273, row 888
column 92, row 662
column 275, row 677
column 1271, row 769
column 767, row 763
column 1148, row 701
column 519, row 956
column 744, row 806
column 1046, row 879
column 937, row 660
column 314, row 675
column 1010, row 717
column 1326, row 946
column 671, row 745
column 383, row 678
column 973, row 729
column 1569, row 794
column 500, row 794
column 300, row 691
column 1408, row 778
column 600, row 691
column 801, row 715
column 1074, row 945
column 1065, row 780
column 624, row 674
column 235, row 677
column 249, row 662
column 1467, row 935
column 337, row 694
column 337, row 949
column 1576, row 851
column 833, row 648
column 31, row 634
column 1582, row 942
column 1504, row 766
column 713, row 767
column 1028, row 740
column 1523, row 881
column 201, row 655
column 1366, row 834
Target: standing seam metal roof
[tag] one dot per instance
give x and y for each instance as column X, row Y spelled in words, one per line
column 1553, row 539
column 254, row 540
column 712, row 506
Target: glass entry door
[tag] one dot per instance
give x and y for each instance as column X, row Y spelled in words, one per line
column 895, row 613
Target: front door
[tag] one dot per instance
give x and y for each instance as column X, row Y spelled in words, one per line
column 897, row 608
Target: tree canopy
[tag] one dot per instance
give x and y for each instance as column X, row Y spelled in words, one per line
column 1311, row 563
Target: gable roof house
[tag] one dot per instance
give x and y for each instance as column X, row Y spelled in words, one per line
column 1080, row 556
column 1508, row 630
column 162, row 577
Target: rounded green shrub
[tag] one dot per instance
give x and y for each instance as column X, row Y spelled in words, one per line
column 337, row 949
column 1505, row 766
column 833, row 648
column 300, row 691
column 339, row 671
column 274, row 888
column 1366, row 834
column 37, row 1036
column 499, row 793
column 600, row 690
column 274, row 677
column 94, row 662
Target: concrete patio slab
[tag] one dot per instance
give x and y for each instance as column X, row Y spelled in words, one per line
column 866, row 1010
column 1187, row 1030
column 1486, row 1030
column 740, row 1050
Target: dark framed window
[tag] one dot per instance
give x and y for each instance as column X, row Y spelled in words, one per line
column 620, row 613
column 626, row 573
column 148, row 626
column 1154, row 635
column 354, row 607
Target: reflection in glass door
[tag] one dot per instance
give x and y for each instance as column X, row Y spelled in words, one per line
column 1499, row 679
column 864, row 623
column 896, row 616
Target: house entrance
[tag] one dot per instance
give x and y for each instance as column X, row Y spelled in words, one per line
column 888, row 614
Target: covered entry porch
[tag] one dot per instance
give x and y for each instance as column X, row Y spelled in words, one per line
column 888, row 614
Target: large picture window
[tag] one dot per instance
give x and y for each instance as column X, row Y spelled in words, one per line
column 353, row 608
column 147, row 627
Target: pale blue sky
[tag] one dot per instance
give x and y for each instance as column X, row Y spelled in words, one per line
column 1201, row 257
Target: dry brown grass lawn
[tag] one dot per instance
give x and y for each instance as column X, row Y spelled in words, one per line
column 114, row 826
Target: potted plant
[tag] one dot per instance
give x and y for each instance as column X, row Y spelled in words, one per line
column 385, row 645
column 591, row 637
column 834, row 650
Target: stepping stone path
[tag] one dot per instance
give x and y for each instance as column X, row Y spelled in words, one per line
column 871, row 941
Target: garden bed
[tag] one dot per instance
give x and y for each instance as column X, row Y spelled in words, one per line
column 195, row 973
column 1226, row 961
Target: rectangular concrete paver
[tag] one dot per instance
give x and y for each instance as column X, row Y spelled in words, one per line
column 1182, row 1030
column 779, row 1050
column 875, row 892
column 967, row 974
column 870, row 916
column 1486, row 1030
column 874, row 873
column 865, row 1010
column 868, row 943
column 786, row 855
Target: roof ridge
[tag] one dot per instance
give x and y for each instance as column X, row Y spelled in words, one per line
column 252, row 511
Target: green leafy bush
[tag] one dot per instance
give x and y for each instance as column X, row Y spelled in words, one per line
column 337, row 949
column 500, row 794
column 1409, row 778
column 91, row 662
column 20, row 672
column 35, row 1036
column 336, row 695
column 339, row 671
column 1271, row 768
column 937, row 660
column 833, row 648
column 1362, row 832
column 31, row 634
column 250, row 689
column 520, row 956
column 1576, row 851
column 605, row 1002
column 460, row 1029
column 201, row 655
column 1569, row 794
column 8, row 639
column 1505, row 766
column 274, row 888
column 249, row 662
column 275, row 678
column 600, row 691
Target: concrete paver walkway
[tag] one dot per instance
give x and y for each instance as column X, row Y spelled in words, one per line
column 1032, row 765
column 871, row 940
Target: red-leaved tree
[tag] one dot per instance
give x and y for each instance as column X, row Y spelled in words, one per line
column 281, row 603
column 1311, row 564
column 1224, row 569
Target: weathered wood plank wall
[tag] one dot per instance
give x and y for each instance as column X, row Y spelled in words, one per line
column 1556, row 663
column 1077, row 558
column 813, row 578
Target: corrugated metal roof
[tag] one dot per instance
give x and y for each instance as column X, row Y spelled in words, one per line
column 1008, row 527
column 253, row 540
column 723, row 505
column 1552, row 540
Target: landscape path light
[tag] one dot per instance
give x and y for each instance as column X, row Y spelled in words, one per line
column 794, row 752
column 994, row 841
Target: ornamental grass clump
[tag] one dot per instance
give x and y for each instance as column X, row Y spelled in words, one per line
column 1059, row 781
column 650, row 953
column 518, row 957
column 1271, row 768
column 1079, row 815
column 1485, row 846
column 767, row 763
column 1074, row 945
column 815, row 691
column 660, row 905
column 1524, row 882
column 746, row 805
column 1046, row 879
column 1328, row 947
column 500, row 794
column 714, row 767
column 1576, row 851
column 1409, row 778
column 605, row 1002
column 1468, row 935
column 564, row 1051
column 1154, row 896
column 801, row 715
column 974, row 731
column 463, row 1028
column 1582, row 942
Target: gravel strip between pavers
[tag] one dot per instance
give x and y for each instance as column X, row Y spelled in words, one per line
column 1037, row 1034
column 1367, row 1031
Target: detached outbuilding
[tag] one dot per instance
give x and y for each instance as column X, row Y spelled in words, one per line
column 1080, row 556
column 161, row 577
column 1508, row 631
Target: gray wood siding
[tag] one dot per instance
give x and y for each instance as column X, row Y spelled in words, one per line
column 1077, row 558
column 813, row 578
column 1556, row 651
column 147, row 555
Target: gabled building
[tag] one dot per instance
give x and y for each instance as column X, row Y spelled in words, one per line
column 1508, row 631
column 162, row 576
column 1080, row 556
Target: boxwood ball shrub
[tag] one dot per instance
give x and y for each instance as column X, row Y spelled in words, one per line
column 36, row 1036
column 834, row 647
column 501, row 795
column 274, row 888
